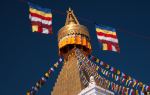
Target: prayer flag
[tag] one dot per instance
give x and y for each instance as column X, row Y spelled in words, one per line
column 107, row 36
column 41, row 19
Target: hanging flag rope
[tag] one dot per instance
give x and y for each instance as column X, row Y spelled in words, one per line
column 90, row 72
column 43, row 79
column 83, row 59
column 83, row 78
column 108, row 84
column 41, row 19
column 82, row 75
column 118, row 75
column 102, row 81
column 93, row 22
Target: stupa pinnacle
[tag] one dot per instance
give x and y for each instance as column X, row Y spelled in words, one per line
column 71, row 19
column 73, row 35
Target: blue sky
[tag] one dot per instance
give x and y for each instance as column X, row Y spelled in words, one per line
column 26, row 56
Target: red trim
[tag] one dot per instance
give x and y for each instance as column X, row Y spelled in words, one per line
column 106, row 35
column 40, row 16
column 40, row 24
column 104, row 41
column 110, row 45
column 39, row 29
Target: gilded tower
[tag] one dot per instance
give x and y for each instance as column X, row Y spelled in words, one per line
column 71, row 36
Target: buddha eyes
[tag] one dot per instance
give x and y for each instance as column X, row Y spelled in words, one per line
column 71, row 31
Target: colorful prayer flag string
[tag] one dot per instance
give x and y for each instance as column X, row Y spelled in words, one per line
column 118, row 75
column 102, row 81
column 43, row 79
column 128, row 83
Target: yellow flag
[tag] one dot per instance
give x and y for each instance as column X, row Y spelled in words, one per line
column 107, row 66
column 140, row 84
column 97, row 60
column 97, row 68
column 34, row 28
column 105, row 46
column 134, row 83
column 46, row 74
column 137, row 93
column 127, row 91
column 127, row 82
column 118, row 72
column 129, row 78
column 56, row 65
column 28, row 93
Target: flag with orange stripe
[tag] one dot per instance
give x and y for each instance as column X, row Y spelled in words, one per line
column 108, row 38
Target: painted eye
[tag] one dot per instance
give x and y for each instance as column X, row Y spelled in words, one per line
column 71, row 31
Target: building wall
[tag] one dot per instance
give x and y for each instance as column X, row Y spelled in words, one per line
column 95, row 90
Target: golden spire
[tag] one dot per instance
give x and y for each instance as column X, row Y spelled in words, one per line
column 71, row 18
column 73, row 35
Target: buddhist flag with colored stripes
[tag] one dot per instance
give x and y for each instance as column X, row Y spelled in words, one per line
column 41, row 19
column 107, row 36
